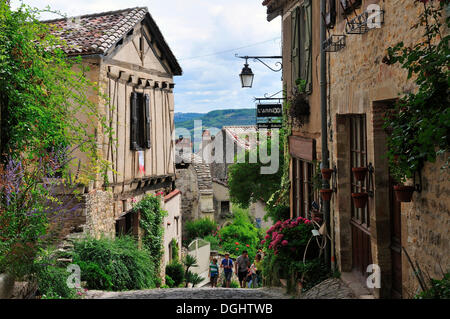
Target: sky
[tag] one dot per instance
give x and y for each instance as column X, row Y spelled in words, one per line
column 195, row 30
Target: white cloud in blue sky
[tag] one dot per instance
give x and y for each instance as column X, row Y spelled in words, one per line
column 195, row 29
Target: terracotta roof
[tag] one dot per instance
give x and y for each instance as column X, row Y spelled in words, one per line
column 98, row 33
column 243, row 136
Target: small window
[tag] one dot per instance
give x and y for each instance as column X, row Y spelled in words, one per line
column 140, row 121
column 224, row 207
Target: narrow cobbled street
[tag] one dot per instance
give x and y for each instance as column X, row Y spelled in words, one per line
column 329, row 289
column 193, row 293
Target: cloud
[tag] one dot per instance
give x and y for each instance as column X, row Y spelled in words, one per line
column 194, row 30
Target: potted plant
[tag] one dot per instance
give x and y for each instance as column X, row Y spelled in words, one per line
column 326, row 194
column 326, row 173
column 360, row 173
column 360, row 199
column 299, row 109
column 404, row 193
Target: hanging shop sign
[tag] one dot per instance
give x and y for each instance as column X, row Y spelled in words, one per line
column 269, row 126
column 269, row 110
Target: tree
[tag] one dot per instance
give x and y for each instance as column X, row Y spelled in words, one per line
column 42, row 90
column 246, row 183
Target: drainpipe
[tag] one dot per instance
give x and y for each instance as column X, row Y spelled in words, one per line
column 323, row 106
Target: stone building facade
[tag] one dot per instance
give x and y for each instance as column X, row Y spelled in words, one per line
column 202, row 177
column 134, row 68
column 361, row 89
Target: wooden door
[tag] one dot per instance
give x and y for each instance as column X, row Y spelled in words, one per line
column 360, row 219
column 396, row 244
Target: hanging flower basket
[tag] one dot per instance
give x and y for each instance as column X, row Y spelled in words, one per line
column 326, row 173
column 404, row 193
column 360, row 199
column 326, row 194
column 360, row 173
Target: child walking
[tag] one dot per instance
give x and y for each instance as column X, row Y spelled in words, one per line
column 213, row 272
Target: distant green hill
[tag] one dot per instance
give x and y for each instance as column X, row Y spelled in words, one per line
column 216, row 119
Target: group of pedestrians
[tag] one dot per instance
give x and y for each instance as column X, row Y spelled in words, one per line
column 246, row 271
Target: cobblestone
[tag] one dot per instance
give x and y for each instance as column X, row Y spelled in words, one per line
column 329, row 289
column 193, row 293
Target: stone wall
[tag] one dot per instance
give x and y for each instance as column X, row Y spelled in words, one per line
column 362, row 84
column 186, row 182
column 100, row 216
column 425, row 227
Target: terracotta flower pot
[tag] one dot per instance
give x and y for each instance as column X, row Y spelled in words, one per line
column 326, row 194
column 360, row 199
column 360, row 173
column 326, row 173
column 404, row 193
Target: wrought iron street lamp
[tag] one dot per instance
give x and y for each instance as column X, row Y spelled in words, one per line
column 247, row 75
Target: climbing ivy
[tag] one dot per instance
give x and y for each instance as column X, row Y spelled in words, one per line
column 419, row 124
column 281, row 196
column 151, row 222
column 43, row 92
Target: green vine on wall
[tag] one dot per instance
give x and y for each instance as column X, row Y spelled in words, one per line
column 281, row 196
column 419, row 124
column 43, row 92
column 151, row 222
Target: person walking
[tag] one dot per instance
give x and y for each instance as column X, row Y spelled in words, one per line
column 213, row 272
column 241, row 267
column 256, row 271
column 227, row 265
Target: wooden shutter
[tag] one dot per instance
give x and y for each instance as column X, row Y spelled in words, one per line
column 331, row 14
column 134, row 121
column 295, row 54
column 306, row 66
column 148, row 121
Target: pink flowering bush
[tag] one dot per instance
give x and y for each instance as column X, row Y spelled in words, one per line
column 289, row 237
column 284, row 245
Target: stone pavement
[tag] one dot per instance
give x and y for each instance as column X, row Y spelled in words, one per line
column 329, row 289
column 192, row 293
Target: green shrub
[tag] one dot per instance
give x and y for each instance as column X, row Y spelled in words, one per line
column 52, row 283
column 440, row 289
column 214, row 241
column 118, row 264
column 234, row 284
column 200, row 228
column 175, row 249
column 170, row 282
column 95, row 276
column 278, row 212
column 240, row 235
column 175, row 271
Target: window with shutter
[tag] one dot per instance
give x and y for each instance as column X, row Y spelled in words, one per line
column 306, row 66
column 302, row 44
column 140, row 122
column 331, row 14
column 148, row 122
column 134, row 121
column 295, row 55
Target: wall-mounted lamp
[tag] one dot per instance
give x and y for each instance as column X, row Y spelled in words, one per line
column 247, row 75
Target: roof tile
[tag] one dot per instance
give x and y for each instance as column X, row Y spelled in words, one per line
column 96, row 33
